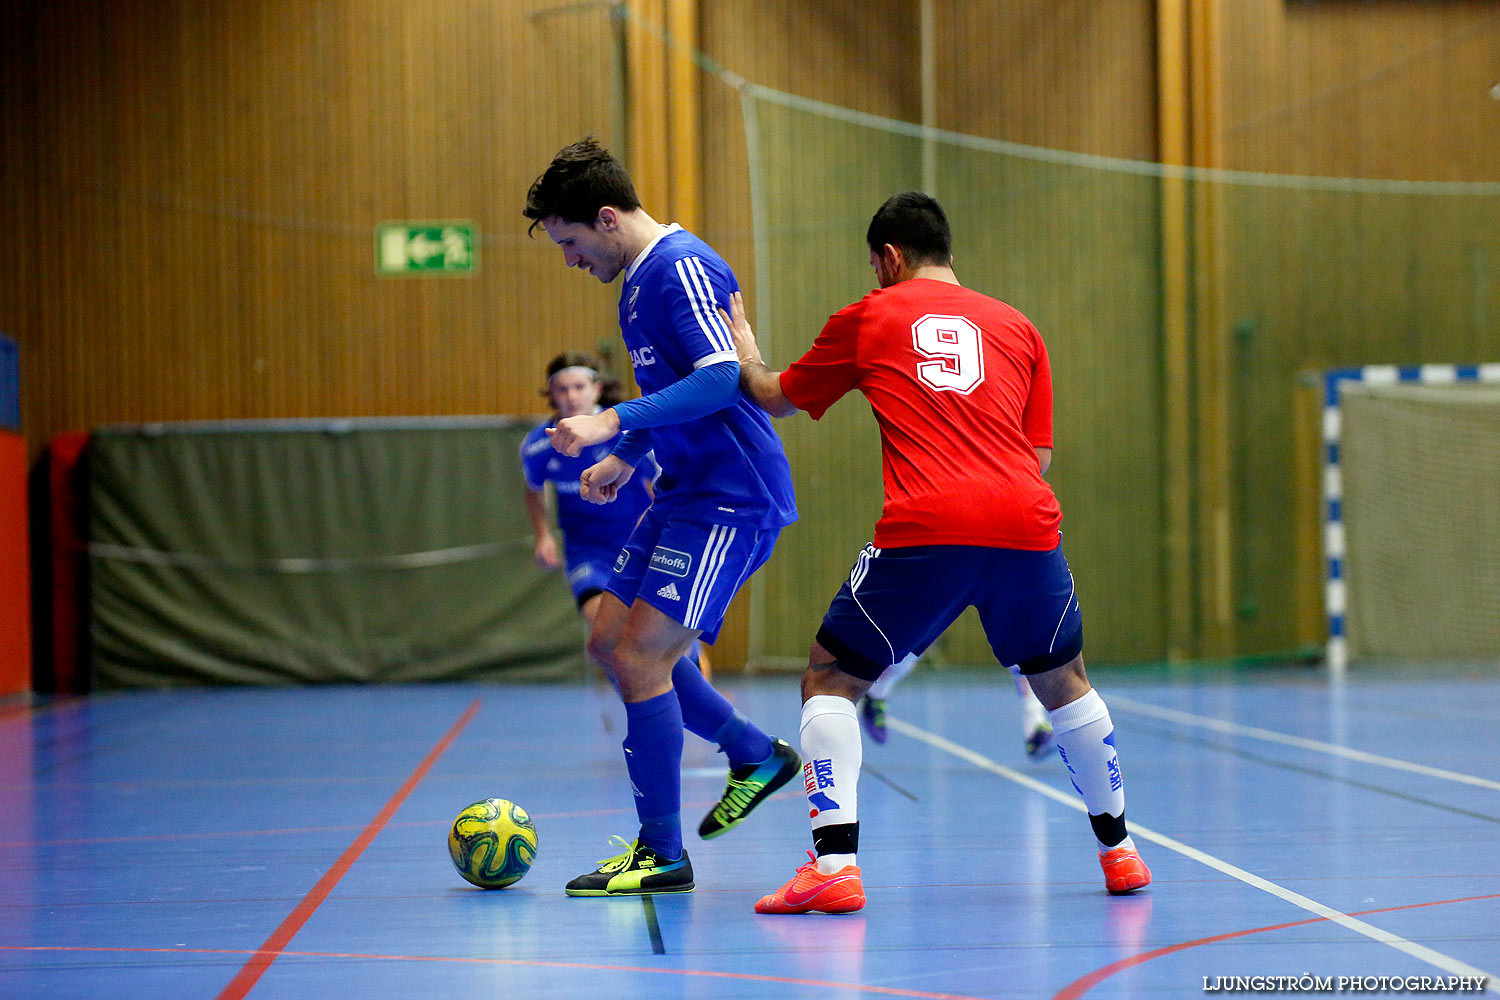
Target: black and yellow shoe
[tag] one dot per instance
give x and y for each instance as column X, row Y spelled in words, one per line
column 750, row 785
column 638, row 872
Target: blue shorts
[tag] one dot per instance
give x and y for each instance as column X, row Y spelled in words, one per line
column 897, row 601
column 589, row 568
column 689, row 570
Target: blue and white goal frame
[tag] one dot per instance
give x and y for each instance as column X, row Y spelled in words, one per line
column 1334, row 595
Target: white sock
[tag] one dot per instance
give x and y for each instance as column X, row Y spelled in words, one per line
column 1085, row 741
column 881, row 689
column 1032, row 712
column 831, row 755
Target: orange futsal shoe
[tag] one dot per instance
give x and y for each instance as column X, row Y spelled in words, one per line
column 812, row 891
column 1124, row 871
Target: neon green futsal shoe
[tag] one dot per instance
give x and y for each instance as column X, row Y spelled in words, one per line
column 750, row 785
column 638, row 872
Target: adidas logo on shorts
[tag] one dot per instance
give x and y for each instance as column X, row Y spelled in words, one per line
column 669, row 592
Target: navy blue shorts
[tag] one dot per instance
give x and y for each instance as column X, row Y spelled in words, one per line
column 897, row 601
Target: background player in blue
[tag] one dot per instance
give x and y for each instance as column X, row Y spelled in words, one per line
column 724, row 496
column 593, row 534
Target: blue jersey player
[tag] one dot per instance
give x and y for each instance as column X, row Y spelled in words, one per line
column 724, row 496
column 593, row 535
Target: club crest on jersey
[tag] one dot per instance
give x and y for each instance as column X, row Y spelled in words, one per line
column 630, row 304
column 643, row 357
column 671, row 562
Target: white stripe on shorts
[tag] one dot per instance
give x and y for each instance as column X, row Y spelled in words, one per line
column 720, row 538
column 856, row 577
column 1072, row 591
column 862, row 566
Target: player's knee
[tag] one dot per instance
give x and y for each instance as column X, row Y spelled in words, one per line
column 601, row 649
column 641, row 671
column 1061, row 685
column 830, row 679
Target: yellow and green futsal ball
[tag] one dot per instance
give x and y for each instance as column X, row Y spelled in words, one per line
column 492, row 843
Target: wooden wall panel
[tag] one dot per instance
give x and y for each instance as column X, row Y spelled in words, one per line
column 1350, row 89
column 213, row 175
column 1066, row 74
column 862, row 58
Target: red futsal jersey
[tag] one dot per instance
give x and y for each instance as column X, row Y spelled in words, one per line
column 962, row 391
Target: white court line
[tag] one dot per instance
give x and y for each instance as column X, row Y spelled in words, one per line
column 1421, row 952
column 1270, row 735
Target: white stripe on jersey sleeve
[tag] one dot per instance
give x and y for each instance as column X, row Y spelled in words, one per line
column 713, row 359
column 703, row 305
column 696, row 263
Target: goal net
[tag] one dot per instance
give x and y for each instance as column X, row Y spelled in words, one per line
column 1421, row 510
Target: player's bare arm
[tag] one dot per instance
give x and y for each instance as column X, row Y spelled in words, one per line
column 1043, row 459
column 573, row 434
column 760, row 383
column 546, row 551
column 602, row 482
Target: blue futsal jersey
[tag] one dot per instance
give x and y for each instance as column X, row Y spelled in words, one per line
column 727, row 467
column 597, row 526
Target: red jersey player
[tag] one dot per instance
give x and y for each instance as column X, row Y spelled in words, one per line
column 960, row 385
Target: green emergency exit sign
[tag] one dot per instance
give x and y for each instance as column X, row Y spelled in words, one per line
column 425, row 248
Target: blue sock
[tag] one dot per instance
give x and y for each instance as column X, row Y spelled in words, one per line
column 707, row 713
column 653, row 756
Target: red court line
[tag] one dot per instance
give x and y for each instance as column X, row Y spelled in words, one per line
column 34, row 705
column 1082, row 985
column 261, row 959
column 15, row 710
column 890, row 991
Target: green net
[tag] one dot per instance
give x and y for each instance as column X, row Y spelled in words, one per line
column 1270, row 276
column 1422, row 520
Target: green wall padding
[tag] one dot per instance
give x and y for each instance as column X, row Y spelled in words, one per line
column 315, row 551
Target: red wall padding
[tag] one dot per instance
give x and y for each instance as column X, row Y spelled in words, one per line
column 68, row 528
column 15, row 568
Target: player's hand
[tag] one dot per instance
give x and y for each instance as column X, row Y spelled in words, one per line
column 546, row 552
column 744, row 337
column 573, row 434
column 602, row 481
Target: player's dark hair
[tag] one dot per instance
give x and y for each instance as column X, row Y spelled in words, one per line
column 609, row 386
column 581, row 179
column 915, row 223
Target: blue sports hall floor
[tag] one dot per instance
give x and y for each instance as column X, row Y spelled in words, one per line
column 290, row 843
